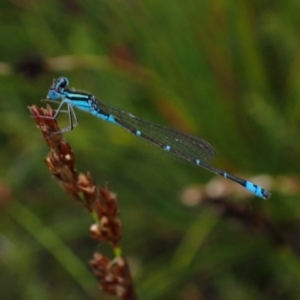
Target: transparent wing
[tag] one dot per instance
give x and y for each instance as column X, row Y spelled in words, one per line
column 189, row 146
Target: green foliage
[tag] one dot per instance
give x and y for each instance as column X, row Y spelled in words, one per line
column 227, row 71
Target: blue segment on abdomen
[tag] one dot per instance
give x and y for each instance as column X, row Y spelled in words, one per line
column 104, row 117
column 254, row 188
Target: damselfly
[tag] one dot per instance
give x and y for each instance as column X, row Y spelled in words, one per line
column 188, row 147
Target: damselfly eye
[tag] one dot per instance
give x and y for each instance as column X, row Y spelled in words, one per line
column 61, row 83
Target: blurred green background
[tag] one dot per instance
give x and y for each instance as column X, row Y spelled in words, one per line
column 227, row 71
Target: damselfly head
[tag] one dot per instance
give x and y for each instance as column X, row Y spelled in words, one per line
column 60, row 83
column 57, row 88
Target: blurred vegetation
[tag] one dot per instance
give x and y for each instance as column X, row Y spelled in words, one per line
column 227, row 71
